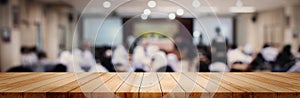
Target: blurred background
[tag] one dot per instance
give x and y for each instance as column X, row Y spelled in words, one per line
column 149, row 35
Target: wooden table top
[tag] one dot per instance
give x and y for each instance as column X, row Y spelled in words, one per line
column 150, row 85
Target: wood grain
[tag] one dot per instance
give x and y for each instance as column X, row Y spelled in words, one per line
column 150, row 85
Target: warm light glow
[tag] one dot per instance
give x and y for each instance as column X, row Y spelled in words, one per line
column 147, row 11
column 196, row 34
column 196, row 4
column 172, row 16
column 106, row 4
column 144, row 17
column 242, row 9
column 151, row 4
column 179, row 12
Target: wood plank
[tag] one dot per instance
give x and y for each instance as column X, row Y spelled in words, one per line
column 150, row 87
column 36, row 78
column 18, row 94
column 130, row 87
column 256, row 81
column 108, row 89
column 258, row 92
column 21, row 78
column 41, row 91
column 285, row 75
column 191, row 88
column 210, row 86
column 225, row 86
column 170, row 88
column 62, row 92
column 9, row 75
column 85, row 90
column 295, row 89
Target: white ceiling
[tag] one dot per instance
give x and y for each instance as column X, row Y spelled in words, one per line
column 136, row 7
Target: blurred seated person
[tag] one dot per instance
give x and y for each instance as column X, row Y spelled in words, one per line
column 66, row 58
column 59, row 68
column 120, row 56
column 140, row 58
column 298, row 55
column 28, row 57
column 248, row 50
column 20, row 69
column 42, row 59
column 159, row 62
column 187, row 51
column 106, row 59
column 269, row 53
column 218, row 67
column 204, row 61
column 235, row 55
column 284, row 60
column 260, row 64
column 173, row 63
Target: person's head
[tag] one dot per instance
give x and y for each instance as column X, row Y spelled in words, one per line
column 218, row 30
column 234, row 46
column 24, row 50
column 86, row 45
column 41, row 55
column 60, row 68
column 266, row 45
column 33, row 49
column 287, row 48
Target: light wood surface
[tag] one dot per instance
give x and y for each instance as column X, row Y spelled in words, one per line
column 150, row 85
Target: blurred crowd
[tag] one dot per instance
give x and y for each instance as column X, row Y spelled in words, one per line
column 146, row 57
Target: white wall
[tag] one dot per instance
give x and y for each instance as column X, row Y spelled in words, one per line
column 110, row 33
column 270, row 27
column 210, row 24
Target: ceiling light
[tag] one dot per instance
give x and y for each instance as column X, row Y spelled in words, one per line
column 179, row 12
column 106, row 4
column 196, row 34
column 196, row 4
column 144, row 17
column 147, row 12
column 151, row 4
column 172, row 16
column 240, row 8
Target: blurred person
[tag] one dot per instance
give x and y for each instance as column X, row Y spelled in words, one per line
column 59, row 68
column 260, row 64
column 87, row 55
column 139, row 57
column 120, row 56
column 28, row 56
column 236, row 55
column 285, row 59
column 248, row 50
column 159, row 60
column 298, row 55
column 295, row 68
column 219, row 47
column 172, row 61
column 269, row 53
column 218, row 67
column 42, row 59
column 106, row 59
column 66, row 58
column 204, row 61
column 188, row 55
column 20, row 69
